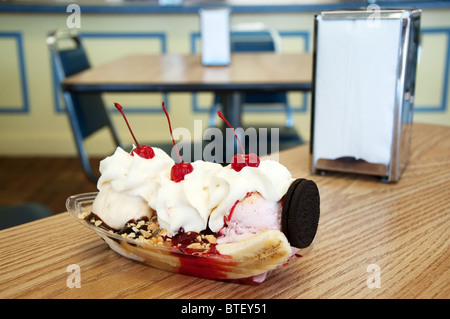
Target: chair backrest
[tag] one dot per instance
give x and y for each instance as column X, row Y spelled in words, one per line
column 254, row 37
column 251, row 42
column 257, row 37
column 89, row 112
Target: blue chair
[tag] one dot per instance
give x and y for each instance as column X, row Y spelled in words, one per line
column 86, row 111
column 256, row 37
column 13, row 215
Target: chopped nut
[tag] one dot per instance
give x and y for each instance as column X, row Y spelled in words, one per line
column 98, row 222
column 146, row 234
column 83, row 215
column 140, row 223
column 195, row 246
column 164, row 232
column 211, row 238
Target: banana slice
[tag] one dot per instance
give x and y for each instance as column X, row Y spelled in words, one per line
column 253, row 256
column 260, row 253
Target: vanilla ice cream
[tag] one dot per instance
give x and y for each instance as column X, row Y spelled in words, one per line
column 116, row 209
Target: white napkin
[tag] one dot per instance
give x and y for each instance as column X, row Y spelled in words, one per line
column 356, row 83
column 215, row 31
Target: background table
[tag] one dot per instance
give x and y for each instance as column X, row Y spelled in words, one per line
column 402, row 228
column 264, row 72
column 247, row 72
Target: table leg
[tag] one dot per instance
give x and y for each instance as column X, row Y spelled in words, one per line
column 232, row 105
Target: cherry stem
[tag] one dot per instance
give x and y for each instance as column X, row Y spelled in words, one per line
column 120, row 109
column 171, row 135
column 234, row 132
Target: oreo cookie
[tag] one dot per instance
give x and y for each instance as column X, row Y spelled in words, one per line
column 286, row 205
column 301, row 212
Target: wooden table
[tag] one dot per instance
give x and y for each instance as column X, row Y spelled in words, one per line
column 171, row 72
column 262, row 72
column 400, row 229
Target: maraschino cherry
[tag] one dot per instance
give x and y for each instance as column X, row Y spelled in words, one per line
column 180, row 170
column 239, row 161
column 144, row 151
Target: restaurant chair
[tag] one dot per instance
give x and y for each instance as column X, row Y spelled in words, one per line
column 86, row 111
column 14, row 215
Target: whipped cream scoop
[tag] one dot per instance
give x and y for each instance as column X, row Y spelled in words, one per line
column 128, row 186
column 134, row 175
column 188, row 203
column 203, row 199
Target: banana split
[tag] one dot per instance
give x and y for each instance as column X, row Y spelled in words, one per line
column 237, row 222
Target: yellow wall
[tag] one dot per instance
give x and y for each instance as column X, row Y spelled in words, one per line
column 42, row 130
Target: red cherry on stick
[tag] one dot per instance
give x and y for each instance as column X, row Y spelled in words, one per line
column 144, row 151
column 239, row 161
column 180, row 170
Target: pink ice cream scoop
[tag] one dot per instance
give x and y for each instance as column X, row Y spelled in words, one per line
column 250, row 216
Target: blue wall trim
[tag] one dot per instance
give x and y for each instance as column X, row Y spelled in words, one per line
column 127, row 35
column 301, row 109
column 161, row 36
column 444, row 98
column 125, row 8
column 24, row 108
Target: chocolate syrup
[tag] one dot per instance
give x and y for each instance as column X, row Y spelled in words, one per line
column 181, row 240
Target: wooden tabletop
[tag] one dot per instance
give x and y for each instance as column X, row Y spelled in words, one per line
column 247, row 71
column 377, row 241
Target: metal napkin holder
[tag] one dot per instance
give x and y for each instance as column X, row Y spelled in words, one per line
column 402, row 106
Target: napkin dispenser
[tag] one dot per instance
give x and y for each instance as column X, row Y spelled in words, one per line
column 363, row 91
column 215, row 36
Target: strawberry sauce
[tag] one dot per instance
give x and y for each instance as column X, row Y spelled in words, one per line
column 199, row 257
